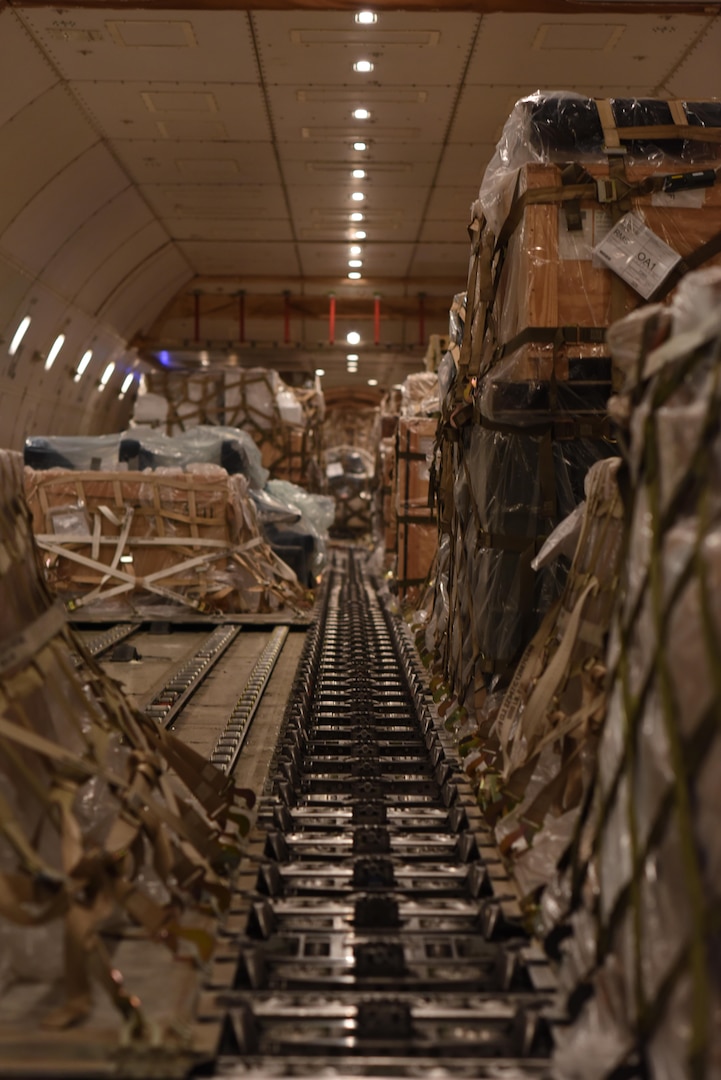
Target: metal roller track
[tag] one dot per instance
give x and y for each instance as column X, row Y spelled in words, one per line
column 167, row 703
column 225, row 753
column 373, row 945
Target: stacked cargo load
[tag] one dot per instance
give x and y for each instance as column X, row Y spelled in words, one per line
column 285, row 422
column 416, row 541
column 638, row 899
column 116, row 836
column 134, row 541
column 587, row 210
column 350, row 441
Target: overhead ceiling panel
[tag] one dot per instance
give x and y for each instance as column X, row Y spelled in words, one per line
column 464, row 163
column 338, row 175
column 219, row 202
column 269, row 230
column 31, row 74
column 562, row 52
column 699, row 72
column 107, row 44
column 248, row 260
column 42, row 140
column 388, row 110
column 406, row 49
column 451, row 202
column 63, row 205
column 483, row 110
column 138, row 110
column 165, row 161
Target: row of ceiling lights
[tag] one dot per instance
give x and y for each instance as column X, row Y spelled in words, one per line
column 355, row 262
column 21, row 331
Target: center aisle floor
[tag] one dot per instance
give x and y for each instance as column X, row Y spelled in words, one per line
column 375, row 933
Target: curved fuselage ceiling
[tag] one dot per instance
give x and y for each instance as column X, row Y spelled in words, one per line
column 180, row 178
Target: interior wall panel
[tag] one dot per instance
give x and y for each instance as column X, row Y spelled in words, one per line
column 38, row 143
column 61, row 208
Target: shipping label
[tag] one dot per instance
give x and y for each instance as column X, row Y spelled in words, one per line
column 636, row 254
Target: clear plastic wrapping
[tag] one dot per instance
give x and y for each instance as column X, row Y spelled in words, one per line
column 283, row 421
column 419, row 394
column 97, row 452
column 558, row 125
column 228, row 447
column 653, row 837
column 142, row 539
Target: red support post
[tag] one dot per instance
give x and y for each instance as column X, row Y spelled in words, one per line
column 331, row 319
column 376, row 319
column 241, row 316
column 286, row 317
column 421, row 319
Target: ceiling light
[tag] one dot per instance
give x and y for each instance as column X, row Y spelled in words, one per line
column 358, row 196
column 106, row 376
column 360, row 146
column 353, row 337
column 363, row 65
column 352, row 357
column 358, row 174
column 356, row 249
column 359, row 234
column 80, row 369
column 126, row 558
column 320, row 371
column 361, row 114
column 19, row 335
column 354, row 275
column 54, row 350
column 372, row 382
column 355, row 263
column 356, row 216
column 366, row 17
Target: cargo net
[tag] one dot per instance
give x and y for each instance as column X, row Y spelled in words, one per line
column 285, row 422
column 110, row 827
column 350, row 440
column 135, row 541
column 641, row 891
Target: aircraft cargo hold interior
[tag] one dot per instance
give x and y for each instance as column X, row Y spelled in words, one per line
column 360, row 591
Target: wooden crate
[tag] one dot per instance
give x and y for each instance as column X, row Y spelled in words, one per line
column 188, row 537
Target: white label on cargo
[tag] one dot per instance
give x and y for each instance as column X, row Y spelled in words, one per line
column 333, row 469
column 687, row 200
column 637, row 255
column 579, row 243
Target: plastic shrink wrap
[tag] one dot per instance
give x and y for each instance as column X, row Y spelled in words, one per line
column 534, row 757
column 351, row 433
column 108, row 821
column 574, row 183
column 642, row 889
column 284, row 421
column 140, row 540
column 303, row 542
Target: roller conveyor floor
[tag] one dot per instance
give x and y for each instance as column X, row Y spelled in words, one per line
column 377, row 942
column 373, row 930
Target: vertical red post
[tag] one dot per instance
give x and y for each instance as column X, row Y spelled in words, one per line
column 241, row 316
column 421, row 318
column 286, row 317
column 331, row 319
column 196, row 316
column 376, row 319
